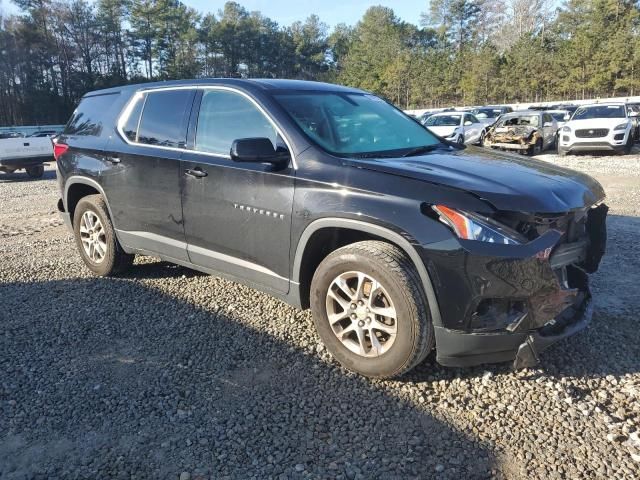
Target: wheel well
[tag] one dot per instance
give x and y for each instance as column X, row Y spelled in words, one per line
column 321, row 244
column 76, row 192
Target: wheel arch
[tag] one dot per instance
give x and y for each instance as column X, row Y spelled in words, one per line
column 76, row 188
column 305, row 263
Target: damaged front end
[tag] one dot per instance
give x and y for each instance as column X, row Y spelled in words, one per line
column 521, row 138
column 520, row 302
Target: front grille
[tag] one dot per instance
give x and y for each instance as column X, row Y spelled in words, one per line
column 592, row 133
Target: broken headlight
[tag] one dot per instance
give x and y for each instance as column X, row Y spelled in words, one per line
column 471, row 226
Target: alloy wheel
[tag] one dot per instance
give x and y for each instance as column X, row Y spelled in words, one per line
column 361, row 314
column 93, row 237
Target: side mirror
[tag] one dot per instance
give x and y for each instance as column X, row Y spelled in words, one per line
column 633, row 114
column 258, row 150
column 467, row 123
column 548, row 124
column 567, row 117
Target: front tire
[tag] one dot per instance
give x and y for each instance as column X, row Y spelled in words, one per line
column 628, row 146
column 370, row 310
column 96, row 238
column 537, row 148
column 36, row 171
column 460, row 140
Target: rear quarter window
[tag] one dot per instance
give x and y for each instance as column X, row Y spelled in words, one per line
column 89, row 118
column 162, row 122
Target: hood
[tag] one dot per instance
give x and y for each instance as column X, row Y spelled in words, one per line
column 591, row 123
column 514, row 131
column 442, row 131
column 508, row 182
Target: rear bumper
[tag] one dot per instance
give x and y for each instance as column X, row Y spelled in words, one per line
column 24, row 162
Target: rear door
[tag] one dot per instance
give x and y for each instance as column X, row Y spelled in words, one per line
column 143, row 186
column 237, row 216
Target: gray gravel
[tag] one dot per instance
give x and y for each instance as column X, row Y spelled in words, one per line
column 167, row 373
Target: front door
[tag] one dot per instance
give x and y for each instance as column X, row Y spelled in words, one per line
column 237, row 216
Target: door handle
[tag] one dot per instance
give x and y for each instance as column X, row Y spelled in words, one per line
column 113, row 159
column 196, row 172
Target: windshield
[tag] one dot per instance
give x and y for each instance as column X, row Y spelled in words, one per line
column 599, row 111
column 443, row 121
column 525, row 120
column 486, row 113
column 353, row 124
column 559, row 116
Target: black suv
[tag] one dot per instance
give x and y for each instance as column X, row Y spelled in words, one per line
column 331, row 198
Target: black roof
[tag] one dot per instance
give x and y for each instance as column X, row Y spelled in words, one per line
column 248, row 84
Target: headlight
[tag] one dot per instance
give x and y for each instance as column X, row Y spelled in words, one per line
column 471, row 226
column 566, row 129
column 622, row 126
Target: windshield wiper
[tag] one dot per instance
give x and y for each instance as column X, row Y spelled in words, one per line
column 420, row 150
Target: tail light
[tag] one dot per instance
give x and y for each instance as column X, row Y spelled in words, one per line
column 59, row 149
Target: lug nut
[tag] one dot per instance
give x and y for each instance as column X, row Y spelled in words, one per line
column 353, row 316
column 361, row 323
column 360, row 303
column 353, row 306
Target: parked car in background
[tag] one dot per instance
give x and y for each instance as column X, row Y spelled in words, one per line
column 43, row 133
column 527, row 131
column 458, row 127
column 560, row 116
column 30, row 154
column 329, row 197
column 597, row 127
column 633, row 111
column 4, row 135
column 489, row 115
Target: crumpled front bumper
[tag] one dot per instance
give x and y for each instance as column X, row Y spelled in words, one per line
column 456, row 349
column 528, row 354
column 548, row 280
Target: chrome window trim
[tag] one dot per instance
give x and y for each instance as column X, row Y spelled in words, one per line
column 124, row 116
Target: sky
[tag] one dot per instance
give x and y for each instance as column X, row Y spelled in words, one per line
column 331, row 12
column 285, row 12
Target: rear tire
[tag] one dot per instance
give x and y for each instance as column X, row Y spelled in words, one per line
column 394, row 288
column 36, row 171
column 96, row 238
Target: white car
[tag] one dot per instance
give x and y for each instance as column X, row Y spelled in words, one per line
column 605, row 126
column 25, row 153
column 458, row 127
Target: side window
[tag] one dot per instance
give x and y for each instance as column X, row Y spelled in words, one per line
column 472, row 118
column 227, row 116
column 162, row 118
column 130, row 127
column 546, row 118
column 87, row 119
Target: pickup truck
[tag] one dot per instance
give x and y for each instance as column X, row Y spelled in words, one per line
column 25, row 153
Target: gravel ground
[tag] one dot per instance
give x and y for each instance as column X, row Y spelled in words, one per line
column 167, row 373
